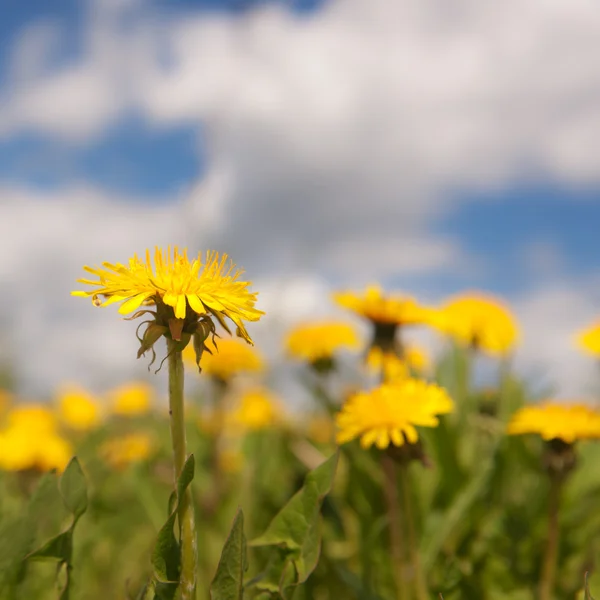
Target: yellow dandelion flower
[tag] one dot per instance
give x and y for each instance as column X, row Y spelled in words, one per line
column 552, row 420
column 37, row 418
column 185, row 294
column 31, row 441
column 479, row 321
column 123, row 451
column 227, row 358
column 131, row 399
column 320, row 341
column 374, row 305
column 390, row 412
column 589, row 340
column 257, row 409
column 392, row 366
column 78, row 409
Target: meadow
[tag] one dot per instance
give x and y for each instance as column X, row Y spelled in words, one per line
column 406, row 482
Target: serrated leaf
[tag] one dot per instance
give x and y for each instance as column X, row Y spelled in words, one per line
column 295, row 531
column 293, row 522
column 228, row 582
column 73, row 488
column 166, row 553
column 57, row 548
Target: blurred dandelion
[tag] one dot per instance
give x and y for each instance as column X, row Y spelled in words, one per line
column 256, row 409
column 123, row 451
column 32, row 441
column 478, row 321
column 318, row 343
column 131, row 399
column 227, row 358
column 414, row 361
column 78, row 409
column 588, row 340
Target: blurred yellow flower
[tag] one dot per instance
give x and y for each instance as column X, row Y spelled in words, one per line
column 123, row 451
column 32, row 441
column 230, row 357
column 393, row 367
column 552, row 420
column 589, row 340
column 188, row 287
column 320, row 341
column 78, row 409
column 479, row 321
column 37, row 418
column 374, row 305
column 256, row 409
column 389, row 413
column 131, row 399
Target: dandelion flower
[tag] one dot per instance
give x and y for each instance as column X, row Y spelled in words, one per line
column 315, row 342
column 186, row 295
column 131, row 399
column 123, row 451
column 552, row 420
column 378, row 308
column 589, row 340
column 227, row 358
column 257, row 409
column 78, row 409
column 479, row 321
column 31, row 441
column 389, row 413
column 392, row 366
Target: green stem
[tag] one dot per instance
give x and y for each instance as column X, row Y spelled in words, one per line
column 396, row 542
column 419, row 579
column 187, row 526
column 551, row 554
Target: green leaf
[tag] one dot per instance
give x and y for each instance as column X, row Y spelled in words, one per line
column 228, row 583
column 295, row 531
column 166, row 553
column 57, row 548
column 73, row 488
column 586, row 588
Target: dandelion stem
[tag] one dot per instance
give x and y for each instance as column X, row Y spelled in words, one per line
column 551, row 554
column 419, row 580
column 187, row 526
column 396, row 542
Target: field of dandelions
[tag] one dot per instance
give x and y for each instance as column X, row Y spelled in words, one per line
column 401, row 480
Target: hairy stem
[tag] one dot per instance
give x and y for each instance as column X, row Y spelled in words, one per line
column 187, row 525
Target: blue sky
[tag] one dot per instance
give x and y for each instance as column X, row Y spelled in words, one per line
column 325, row 142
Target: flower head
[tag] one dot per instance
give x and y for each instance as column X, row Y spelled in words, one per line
column 392, row 366
column 390, row 412
column 31, row 441
column 552, row 420
column 226, row 358
column 589, row 340
column 123, row 451
column 78, row 409
column 186, row 295
column 479, row 321
column 320, row 341
column 377, row 307
column 131, row 399
column 257, row 409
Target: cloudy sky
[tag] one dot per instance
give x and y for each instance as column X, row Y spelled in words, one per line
column 430, row 145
